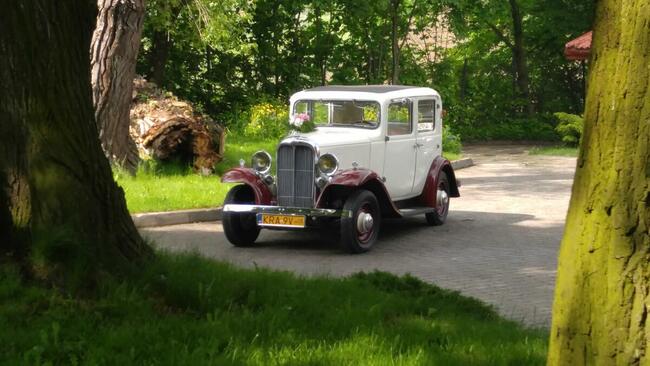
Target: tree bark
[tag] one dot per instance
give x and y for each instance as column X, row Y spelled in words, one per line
column 114, row 50
column 158, row 56
column 57, row 188
column 603, row 290
column 520, row 58
column 394, row 9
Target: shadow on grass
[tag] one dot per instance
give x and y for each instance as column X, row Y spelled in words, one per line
column 183, row 309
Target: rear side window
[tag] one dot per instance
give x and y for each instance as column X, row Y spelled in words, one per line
column 399, row 119
column 426, row 115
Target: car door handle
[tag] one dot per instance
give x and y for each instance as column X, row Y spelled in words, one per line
column 417, row 145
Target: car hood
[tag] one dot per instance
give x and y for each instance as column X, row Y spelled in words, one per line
column 335, row 136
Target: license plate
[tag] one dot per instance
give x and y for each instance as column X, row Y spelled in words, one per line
column 281, row 220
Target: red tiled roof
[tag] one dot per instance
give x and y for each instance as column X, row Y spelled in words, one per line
column 580, row 48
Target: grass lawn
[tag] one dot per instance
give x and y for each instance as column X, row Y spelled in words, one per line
column 185, row 310
column 173, row 188
column 555, row 151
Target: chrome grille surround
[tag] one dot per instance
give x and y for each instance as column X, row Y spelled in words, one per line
column 296, row 164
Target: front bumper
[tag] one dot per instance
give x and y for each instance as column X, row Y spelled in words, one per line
column 292, row 211
column 305, row 217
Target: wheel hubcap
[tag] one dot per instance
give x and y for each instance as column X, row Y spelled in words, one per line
column 442, row 200
column 364, row 222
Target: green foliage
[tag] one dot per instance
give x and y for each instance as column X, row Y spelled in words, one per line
column 450, row 141
column 183, row 309
column 267, row 121
column 570, row 127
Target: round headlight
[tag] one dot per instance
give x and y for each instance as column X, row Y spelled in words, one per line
column 328, row 164
column 261, row 162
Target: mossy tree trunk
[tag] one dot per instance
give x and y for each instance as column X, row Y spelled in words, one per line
column 58, row 199
column 603, row 287
column 113, row 52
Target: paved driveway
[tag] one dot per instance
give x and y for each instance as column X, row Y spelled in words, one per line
column 499, row 244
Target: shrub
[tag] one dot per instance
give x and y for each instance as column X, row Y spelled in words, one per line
column 570, row 127
column 267, row 120
column 450, row 141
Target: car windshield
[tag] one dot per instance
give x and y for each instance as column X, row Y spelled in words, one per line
column 345, row 113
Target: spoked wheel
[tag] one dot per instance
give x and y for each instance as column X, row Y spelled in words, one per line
column 439, row 216
column 240, row 228
column 359, row 232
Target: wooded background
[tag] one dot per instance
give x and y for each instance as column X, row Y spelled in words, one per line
column 499, row 65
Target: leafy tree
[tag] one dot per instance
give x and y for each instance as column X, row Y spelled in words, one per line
column 601, row 297
column 61, row 214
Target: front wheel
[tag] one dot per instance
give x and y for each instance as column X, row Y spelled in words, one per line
column 359, row 232
column 439, row 216
column 240, row 228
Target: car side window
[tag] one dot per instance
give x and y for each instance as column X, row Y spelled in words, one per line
column 426, row 115
column 399, row 118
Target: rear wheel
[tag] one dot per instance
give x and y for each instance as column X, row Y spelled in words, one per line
column 359, row 232
column 240, row 228
column 439, row 216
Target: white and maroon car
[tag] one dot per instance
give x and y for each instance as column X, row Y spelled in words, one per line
column 376, row 153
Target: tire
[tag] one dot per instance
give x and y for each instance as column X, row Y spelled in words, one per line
column 439, row 216
column 240, row 228
column 353, row 237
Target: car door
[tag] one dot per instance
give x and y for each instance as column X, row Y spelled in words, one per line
column 400, row 151
column 428, row 138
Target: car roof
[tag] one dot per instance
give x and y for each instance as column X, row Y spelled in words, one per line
column 361, row 92
column 362, row 88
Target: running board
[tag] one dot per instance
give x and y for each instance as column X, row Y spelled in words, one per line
column 414, row 211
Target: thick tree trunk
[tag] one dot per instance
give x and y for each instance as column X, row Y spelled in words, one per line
column 114, row 50
column 603, row 287
column 519, row 57
column 57, row 188
column 394, row 8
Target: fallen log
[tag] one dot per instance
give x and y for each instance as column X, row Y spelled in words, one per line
column 167, row 128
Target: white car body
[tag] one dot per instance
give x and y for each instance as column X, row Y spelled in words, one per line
column 365, row 153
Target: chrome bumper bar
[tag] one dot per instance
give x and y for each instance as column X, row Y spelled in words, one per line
column 309, row 212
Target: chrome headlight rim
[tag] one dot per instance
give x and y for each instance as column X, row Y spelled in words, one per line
column 264, row 155
column 331, row 171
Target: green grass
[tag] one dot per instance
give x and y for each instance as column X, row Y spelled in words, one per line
column 167, row 187
column 452, row 156
column 185, row 310
column 555, row 151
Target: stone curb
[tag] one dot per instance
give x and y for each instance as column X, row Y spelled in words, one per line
column 176, row 217
column 462, row 163
column 151, row 219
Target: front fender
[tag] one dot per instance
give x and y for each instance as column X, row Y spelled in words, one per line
column 247, row 176
column 347, row 181
column 429, row 193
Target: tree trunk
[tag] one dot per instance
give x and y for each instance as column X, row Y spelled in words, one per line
column 114, row 50
column 158, row 56
column 520, row 58
column 603, row 290
column 57, row 188
column 394, row 5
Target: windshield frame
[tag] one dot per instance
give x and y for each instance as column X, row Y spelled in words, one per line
column 344, row 125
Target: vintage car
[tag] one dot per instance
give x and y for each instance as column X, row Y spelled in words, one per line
column 375, row 153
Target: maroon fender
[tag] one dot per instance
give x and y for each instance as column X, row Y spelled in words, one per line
column 429, row 193
column 247, row 176
column 347, row 180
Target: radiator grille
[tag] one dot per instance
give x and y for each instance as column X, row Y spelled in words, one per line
column 295, row 176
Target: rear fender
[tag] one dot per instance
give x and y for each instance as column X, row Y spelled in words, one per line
column 429, row 193
column 342, row 184
column 247, row 176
